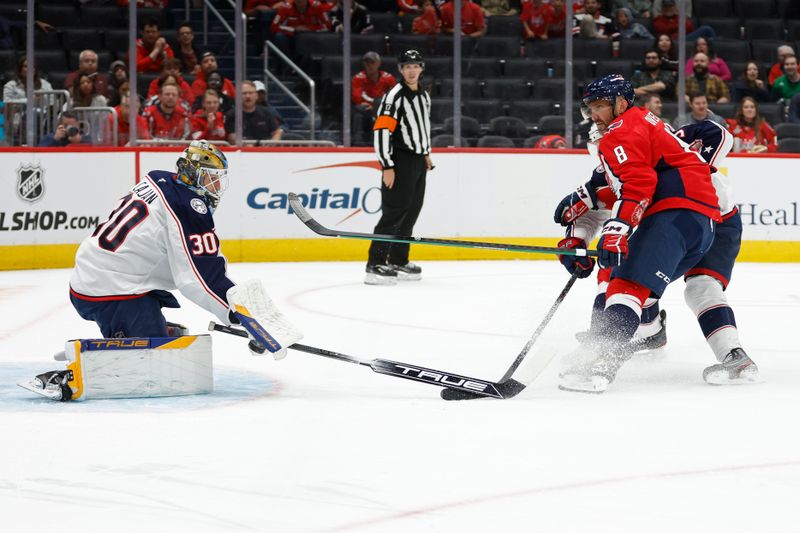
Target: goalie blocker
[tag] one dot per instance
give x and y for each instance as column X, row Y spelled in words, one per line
column 130, row 368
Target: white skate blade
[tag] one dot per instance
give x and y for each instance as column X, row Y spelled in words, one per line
column 33, row 386
column 722, row 378
column 374, row 279
column 404, row 276
column 589, row 384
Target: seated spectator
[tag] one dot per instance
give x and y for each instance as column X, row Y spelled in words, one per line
column 167, row 119
column 699, row 112
column 258, row 123
column 592, row 24
column 551, row 142
column 408, row 7
column 87, row 64
column 428, row 23
column 214, row 81
column 652, row 102
column 627, row 28
column 151, row 48
column 84, row 92
column 794, row 109
column 702, row 82
column 298, row 16
column 667, row 22
column 208, row 64
column 185, row 50
column 639, row 8
column 500, row 8
column 123, row 126
column 208, row 122
column 777, row 69
column 368, row 86
column 652, row 79
column 14, row 89
column 473, row 23
column 666, row 51
column 787, row 85
column 7, row 38
column 68, row 132
column 261, row 99
column 751, row 132
column 360, row 21
column 557, row 26
column 171, row 67
column 535, row 17
column 118, row 76
column 716, row 65
column 658, row 7
column 750, row 84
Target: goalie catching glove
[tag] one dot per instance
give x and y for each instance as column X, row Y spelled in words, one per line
column 266, row 326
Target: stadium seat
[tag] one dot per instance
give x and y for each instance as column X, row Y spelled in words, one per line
column 712, row 8
column 470, row 88
column 508, row 88
column 60, row 16
column 790, row 145
column 793, row 30
column 107, row 16
column 750, row 9
column 443, row 46
column 725, row 28
column 766, row 51
column 441, row 108
column 370, row 42
column 422, row 43
column 116, row 40
column 788, row 8
column 550, row 124
column 8, row 61
column 549, row 89
column 440, row 67
column 470, row 127
column 13, row 10
column 592, row 49
column 509, row 26
column 551, row 48
column 82, row 38
column 523, row 67
column 143, row 13
column 495, row 141
column 788, row 129
column 732, row 51
column 764, row 29
column 669, row 110
column 483, row 110
column 446, row 139
column 613, row 66
column 384, row 23
column 57, row 78
column 530, row 110
column 634, row 49
column 773, row 112
column 512, row 127
column 315, row 43
column 723, row 110
column 48, row 60
column 48, row 41
column 498, row 46
column 480, row 67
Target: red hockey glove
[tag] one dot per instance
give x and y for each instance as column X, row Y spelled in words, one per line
column 573, row 263
column 613, row 245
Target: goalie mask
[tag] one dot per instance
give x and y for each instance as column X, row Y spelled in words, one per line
column 203, row 168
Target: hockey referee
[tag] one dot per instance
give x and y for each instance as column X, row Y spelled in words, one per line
column 402, row 133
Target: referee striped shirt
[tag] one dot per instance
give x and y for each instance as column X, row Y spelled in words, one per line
column 403, row 123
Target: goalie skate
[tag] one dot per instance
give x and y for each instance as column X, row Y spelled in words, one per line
column 52, row 385
column 735, row 369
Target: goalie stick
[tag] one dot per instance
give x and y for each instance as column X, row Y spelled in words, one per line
column 316, row 227
column 456, row 387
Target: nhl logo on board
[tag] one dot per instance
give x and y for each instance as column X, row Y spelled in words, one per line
column 199, row 206
column 30, row 182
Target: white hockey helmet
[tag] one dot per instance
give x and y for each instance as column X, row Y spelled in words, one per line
column 204, row 168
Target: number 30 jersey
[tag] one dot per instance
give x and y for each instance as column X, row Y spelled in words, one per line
column 159, row 237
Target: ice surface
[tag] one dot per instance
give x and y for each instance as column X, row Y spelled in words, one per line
column 314, row 445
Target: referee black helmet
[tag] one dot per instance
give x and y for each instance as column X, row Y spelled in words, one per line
column 410, row 57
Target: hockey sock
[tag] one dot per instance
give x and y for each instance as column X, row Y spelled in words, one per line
column 619, row 323
column 597, row 310
column 706, row 298
column 650, row 323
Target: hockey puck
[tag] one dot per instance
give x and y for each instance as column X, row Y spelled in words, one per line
column 455, row 394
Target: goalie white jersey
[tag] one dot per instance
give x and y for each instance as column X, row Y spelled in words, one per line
column 160, row 237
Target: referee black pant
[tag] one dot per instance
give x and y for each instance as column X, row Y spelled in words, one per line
column 400, row 207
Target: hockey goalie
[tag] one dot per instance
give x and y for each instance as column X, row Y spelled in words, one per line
column 160, row 237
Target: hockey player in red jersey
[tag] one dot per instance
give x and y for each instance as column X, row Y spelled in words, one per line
column 662, row 221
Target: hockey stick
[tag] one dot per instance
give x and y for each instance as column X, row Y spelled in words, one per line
column 478, row 387
column 506, row 381
column 318, row 228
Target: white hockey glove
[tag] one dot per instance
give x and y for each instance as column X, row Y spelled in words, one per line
column 265, row 324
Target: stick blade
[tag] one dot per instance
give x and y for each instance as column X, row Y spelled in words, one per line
column 507, row 389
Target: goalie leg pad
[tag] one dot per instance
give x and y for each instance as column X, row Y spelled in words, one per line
column 264, row 322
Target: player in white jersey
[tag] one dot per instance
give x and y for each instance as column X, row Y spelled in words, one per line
column 161, row 237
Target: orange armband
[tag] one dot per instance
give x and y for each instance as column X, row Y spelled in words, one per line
column 385, row 122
